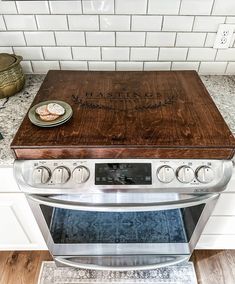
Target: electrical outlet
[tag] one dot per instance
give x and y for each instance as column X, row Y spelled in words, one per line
column 224, row 36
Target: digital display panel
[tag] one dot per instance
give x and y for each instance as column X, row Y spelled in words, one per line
column 123, row 174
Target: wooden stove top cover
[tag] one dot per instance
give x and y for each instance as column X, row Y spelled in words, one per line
column 165, row 114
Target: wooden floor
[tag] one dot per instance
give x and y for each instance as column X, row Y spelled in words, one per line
column 212, row 267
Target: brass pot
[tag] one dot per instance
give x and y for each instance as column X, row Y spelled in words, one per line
column 12, row 78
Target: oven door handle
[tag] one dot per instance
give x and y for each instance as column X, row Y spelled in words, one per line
column 120, row 263
column 122, row 207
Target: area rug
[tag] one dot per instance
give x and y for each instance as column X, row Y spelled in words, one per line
column 176, row 274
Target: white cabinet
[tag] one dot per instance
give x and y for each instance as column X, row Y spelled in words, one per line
column 7, row 180
column 219, row 232
column 18, row 228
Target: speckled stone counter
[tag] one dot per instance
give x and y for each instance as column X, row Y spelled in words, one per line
column 12, row 110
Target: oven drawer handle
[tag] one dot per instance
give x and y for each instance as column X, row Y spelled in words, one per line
column 122, row 207
column 97, row 263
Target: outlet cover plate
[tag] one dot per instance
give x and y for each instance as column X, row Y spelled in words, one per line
column 224, row 36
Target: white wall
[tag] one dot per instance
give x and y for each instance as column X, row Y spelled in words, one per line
column 117, row 34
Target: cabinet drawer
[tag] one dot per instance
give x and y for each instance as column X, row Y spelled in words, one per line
column 225, row 205
column 8, row 183
column 220, row 225
column 216, row 242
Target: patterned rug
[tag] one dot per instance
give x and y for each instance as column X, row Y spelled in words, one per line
column 175, row 274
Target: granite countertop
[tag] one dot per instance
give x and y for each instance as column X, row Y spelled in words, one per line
column 13, row 109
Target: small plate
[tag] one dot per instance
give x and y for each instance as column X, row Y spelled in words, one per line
column 35, row 119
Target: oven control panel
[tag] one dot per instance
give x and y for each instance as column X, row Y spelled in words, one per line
column 122, row 174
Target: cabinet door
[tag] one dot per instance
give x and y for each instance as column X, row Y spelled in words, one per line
column 18, row 228
column 8, row 183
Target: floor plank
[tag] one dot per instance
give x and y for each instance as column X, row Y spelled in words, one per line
column 21, row 267
column 212, row 266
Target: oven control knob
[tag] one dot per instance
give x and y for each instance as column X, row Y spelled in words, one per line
column 204, row 174
column 81, row 174
column 41, row 175
column 185, row 174
column 60, row 175
column 165, row 174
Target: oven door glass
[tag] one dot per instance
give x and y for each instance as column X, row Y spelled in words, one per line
column 87, row 227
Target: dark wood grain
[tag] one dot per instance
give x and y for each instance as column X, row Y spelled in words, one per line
column 128, row 114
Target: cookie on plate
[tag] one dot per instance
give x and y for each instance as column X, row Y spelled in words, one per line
column 55, row 109
column 49, row 117
column 42, row 110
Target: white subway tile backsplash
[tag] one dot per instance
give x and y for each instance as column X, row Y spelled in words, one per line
column 2, row 24
column 114, row 23
column 163, row 7
column 230, row 68
column 196, row 7
column 224, row 7
column 118, row 34
column 130, row 66
column 100, row 38
column 20, row 22
column 39, row 38
column 52, row 22
column 57, row 53
column 160, row 39
column 185, row 66
column 177, row 23
column 73, row 65
column 12, row 39
column 32, row 7
column 153, row 66
column 226, row 54
column 230, row 20
column 130, row 38
column 131, row 6
column 146, row 23
column 26, row 66
column 171, row 53
column 83, row 22
column 7, row 7
column 70, row 38
column 207, row 24
column 86, row 53
column 98, row 6
column 212, row 68
column 115, row 53
column 144, row 54
column 190, row 39
column 101, row 66
column 42, row 67
column 6, row 49
column 29, row 53
column 201, row 54
column 65, row 7
column 210, row 39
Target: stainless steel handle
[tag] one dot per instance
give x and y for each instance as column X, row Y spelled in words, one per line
column 120, row 263
column 122, row 207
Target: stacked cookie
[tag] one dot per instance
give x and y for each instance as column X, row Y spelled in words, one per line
column 50, row 111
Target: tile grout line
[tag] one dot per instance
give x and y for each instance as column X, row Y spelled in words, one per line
column 212, row 8
column 179, row 11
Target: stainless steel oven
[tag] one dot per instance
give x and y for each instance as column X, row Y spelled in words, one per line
column 122, row 214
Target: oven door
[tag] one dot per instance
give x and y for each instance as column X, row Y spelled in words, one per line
column 121, row 231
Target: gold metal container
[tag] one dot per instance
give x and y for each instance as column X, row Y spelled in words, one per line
column 12, row 78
